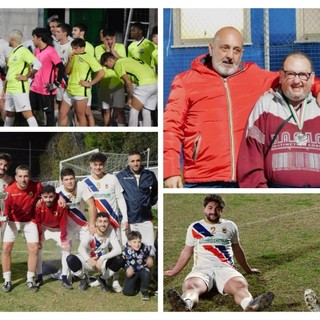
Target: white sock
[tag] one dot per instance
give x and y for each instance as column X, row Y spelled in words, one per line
column 121, row 125
column 32, row 122
column 6, row 276
column 9, row 122
column 134, row 116
column 30, row 276
column 146, row 116
column 245, row 301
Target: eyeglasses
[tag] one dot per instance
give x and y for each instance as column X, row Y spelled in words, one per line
column 304, row 76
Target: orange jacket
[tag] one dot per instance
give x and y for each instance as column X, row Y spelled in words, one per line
column 207, row 115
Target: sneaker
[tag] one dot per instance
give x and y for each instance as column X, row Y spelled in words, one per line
column 116, row 286
column 32, row 286
column 7, row 286
column 145, row 296
column 176, row 301
column 84, row 283
column 261, row 302
column 39, row 282
column 67, row 284
column 57, row 275
column 311, row 300
column 103, row 284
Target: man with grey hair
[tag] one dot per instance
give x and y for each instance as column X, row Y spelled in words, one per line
column 22, row 66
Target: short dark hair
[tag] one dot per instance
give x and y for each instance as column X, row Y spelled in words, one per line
column 48, row 189
column 134, row 235
column 108, row 32
column 137, row 25
column 78, row 43
column 67, row 172
column 214, row 198
column 103, row 215
column 154, row 30
column 6, row 157
column 44, row 34
column 135, row 152
column 82, row 27
column 98, row 156
column 65, row 27
column 105, row 56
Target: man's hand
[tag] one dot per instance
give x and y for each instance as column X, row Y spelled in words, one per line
column 173, row 182
column 52, row 86
column 129, row 272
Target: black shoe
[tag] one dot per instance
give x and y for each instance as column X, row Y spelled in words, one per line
column 32, row 286
column 67, row 284
column 7, row 286
column 39, row 282
column 84, row 283
column 261, row 302
column 176, row 301
column 145, row 296
column 103, row 284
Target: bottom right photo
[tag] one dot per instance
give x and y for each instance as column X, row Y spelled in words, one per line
column 241, row 252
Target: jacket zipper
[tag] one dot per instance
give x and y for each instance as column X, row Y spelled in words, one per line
column 196, row 147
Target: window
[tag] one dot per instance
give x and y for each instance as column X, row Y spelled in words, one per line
column 308, row 27
column 196, row 27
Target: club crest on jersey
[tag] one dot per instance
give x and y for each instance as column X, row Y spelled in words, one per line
column 98, row 185
column 224, row 229
column 213, row 230
column 55, row 213
column 30, row 194
column 80, row 59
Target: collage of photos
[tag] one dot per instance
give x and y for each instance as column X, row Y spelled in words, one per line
column 108, row 158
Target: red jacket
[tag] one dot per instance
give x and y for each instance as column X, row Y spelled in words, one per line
column 207, row 114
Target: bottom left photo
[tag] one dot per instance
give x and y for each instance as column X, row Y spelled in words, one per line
column 79, row 221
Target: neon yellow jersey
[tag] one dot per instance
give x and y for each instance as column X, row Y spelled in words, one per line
column 81, row 67
column 19, row 62
column 89, row 48
column 110, row 79
column 142, row 50
column 138, row 72
column 154, row 60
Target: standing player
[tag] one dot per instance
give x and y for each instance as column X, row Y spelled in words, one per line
column 79, row 67
column 51, row 221
column 95, row 254
column 20, row 209
column 17, row 85
column 4, row 56
column 142, row 47
column 141, row 86
column 213, row 241
column 48, row 78
column 108, row 197
column 111, row 91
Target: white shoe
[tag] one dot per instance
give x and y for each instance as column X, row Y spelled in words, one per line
column 116, row 286
column 311, row 300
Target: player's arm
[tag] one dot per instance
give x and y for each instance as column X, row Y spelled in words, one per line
column 241, row 258
column 129, row 88
column 92, row 215
column 184, row 258
column 97, row 77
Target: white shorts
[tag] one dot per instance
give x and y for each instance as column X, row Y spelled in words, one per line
column 29, row 231
column 17, row 102
column 147, row 95
column 146, row 230
column 59, row 94
column 70, row 99
column 214, row 276
column 112, row 98
column 51, row 233
column 75, row 231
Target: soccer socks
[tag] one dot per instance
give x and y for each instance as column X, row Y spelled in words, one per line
column 9, row 122
column 146, row 118
column 6, row 276
column 32, row 122
column 30, row 276
column 245, row 302
column 134, row 116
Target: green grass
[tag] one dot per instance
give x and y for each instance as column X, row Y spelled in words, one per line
column 279, row 234
column 52, row 297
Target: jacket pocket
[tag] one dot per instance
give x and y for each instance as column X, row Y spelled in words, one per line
column 196, row 147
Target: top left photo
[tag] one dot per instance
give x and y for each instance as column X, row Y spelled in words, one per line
column 79, row 67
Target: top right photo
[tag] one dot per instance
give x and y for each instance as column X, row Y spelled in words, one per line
column 241, row 98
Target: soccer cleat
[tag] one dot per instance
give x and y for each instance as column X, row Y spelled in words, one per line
column 84, row 283
column 32, row 286
column 145, row 296
column 116, row 286
column 311, row 300
column 57, row 275
column 103, row 284
column 66, row 284
column 7, row 286
column 261, row 302
column 39, row 282
column 176, row 301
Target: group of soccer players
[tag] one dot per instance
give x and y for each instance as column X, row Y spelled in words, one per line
column 49, row 79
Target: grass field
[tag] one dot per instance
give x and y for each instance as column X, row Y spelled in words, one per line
column 52, row 297
column 278, row 232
